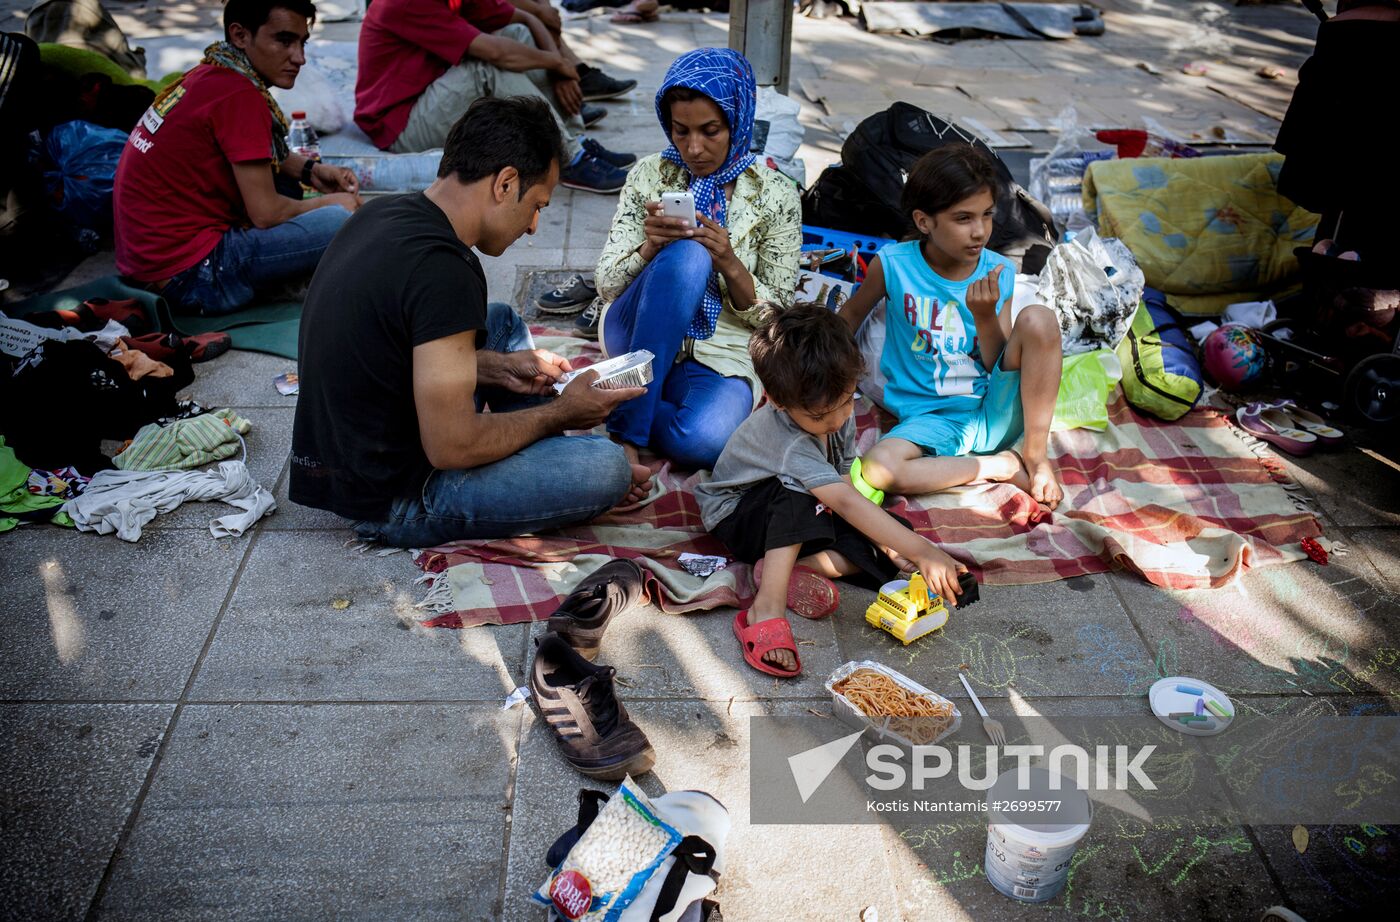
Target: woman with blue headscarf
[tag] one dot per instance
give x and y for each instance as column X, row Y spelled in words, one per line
column 689, row 291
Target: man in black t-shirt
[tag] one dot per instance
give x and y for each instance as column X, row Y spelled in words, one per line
column 400, row 353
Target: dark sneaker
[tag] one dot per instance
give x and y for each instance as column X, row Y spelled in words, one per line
column 593, row 175
column 610, row 590
column 592, row 115
column 586, row 324
column 574, row 293
column 579, row 702
column 597, row 85
column 616, row 158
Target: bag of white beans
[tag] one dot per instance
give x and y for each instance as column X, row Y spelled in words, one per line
column 612, row 861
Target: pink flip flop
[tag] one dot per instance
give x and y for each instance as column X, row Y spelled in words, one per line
column 1271, row 423
column 809, row 594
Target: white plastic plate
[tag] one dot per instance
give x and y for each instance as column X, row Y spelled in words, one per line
column 1166, row 700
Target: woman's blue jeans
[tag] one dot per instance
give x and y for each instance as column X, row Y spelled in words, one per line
column 248, row 259
column 557, row 481
column 689, row 411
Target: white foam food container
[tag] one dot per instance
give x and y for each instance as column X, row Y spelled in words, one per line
column 879, row 727
column 630, row 370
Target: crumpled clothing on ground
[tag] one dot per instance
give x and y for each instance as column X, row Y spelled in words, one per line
column 137, row 363
column 123, row 502
column 184, row 444
column 17, row 504
column 67, row 397
column 64, row 483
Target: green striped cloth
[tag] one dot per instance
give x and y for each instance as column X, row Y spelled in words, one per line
column 186, row 443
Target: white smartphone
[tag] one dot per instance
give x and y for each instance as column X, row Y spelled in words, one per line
column 679, row 205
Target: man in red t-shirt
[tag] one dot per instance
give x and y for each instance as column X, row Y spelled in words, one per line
column 423, row 62
column 199, row 167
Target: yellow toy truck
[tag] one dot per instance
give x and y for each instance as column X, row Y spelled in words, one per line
column 905, row 610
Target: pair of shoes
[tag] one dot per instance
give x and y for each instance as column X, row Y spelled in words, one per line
column 616, row 158
column 571, row 295
column 586, row 324
column 590, row 174
column 596, row 85
column 1287, row 425
column 577, row 698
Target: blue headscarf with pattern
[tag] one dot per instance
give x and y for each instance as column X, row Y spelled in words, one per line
column 726, row 77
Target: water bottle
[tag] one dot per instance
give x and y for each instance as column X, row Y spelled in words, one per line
column 301, row 137
column 391, row 172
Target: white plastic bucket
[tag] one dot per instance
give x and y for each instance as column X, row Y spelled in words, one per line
column 1030, row 863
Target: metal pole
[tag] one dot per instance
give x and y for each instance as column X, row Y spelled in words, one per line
column 762, row 31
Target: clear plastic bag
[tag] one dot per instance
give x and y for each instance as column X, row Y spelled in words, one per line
column 1057, row 179
column 612, row 861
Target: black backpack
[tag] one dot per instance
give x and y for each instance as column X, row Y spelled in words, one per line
column 861, row 195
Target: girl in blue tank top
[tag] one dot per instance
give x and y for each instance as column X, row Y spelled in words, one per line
column 966, row 375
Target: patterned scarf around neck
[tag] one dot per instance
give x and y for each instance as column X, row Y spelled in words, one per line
column 726, row 77
column 224, row 54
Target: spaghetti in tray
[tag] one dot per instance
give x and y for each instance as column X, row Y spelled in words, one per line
column 893, row 704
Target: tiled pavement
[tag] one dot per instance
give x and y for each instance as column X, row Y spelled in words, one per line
column 190, row 729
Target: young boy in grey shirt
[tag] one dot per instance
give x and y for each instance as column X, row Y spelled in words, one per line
column 781, row 496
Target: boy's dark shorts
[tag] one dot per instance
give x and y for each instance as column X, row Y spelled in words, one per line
column 771, row 516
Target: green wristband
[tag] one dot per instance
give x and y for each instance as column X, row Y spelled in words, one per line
column 875, row 496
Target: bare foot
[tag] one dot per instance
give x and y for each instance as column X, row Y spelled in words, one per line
column 783, row 659
column 641, row 483
column 1003, row 466
column 638, row 11
column 1043, row 487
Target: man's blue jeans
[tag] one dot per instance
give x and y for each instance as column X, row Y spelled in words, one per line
column 557, row 481
column 249, row 259
column 689, row 411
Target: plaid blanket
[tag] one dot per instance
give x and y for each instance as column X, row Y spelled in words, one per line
column 1185, row 505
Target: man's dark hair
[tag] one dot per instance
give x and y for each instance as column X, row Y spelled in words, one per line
column 251, row 14
column 945, row 176
column 806, row 357
column 497, row 132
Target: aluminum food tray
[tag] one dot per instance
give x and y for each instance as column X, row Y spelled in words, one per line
column 630, row 370
column 877, row 727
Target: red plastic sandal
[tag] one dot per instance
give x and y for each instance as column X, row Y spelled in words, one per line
column 809, row 594
column 756, row 640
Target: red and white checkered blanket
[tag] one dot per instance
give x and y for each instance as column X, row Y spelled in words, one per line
column 1185, row 505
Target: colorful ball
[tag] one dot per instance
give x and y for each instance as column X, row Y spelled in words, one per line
column 1234, row 356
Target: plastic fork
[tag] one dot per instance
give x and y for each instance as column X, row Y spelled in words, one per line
column 993, row 726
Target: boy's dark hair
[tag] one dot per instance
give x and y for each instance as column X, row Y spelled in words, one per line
column 497, row 132
column 251, row 14
column 945, row 176
column 684, row 94
column 806, row 357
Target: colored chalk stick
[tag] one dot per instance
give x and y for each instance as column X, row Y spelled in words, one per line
column 1217, row 710
column 1190, row 719
column 1200, row 706
column 1190, row 690
column 1180, row 714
